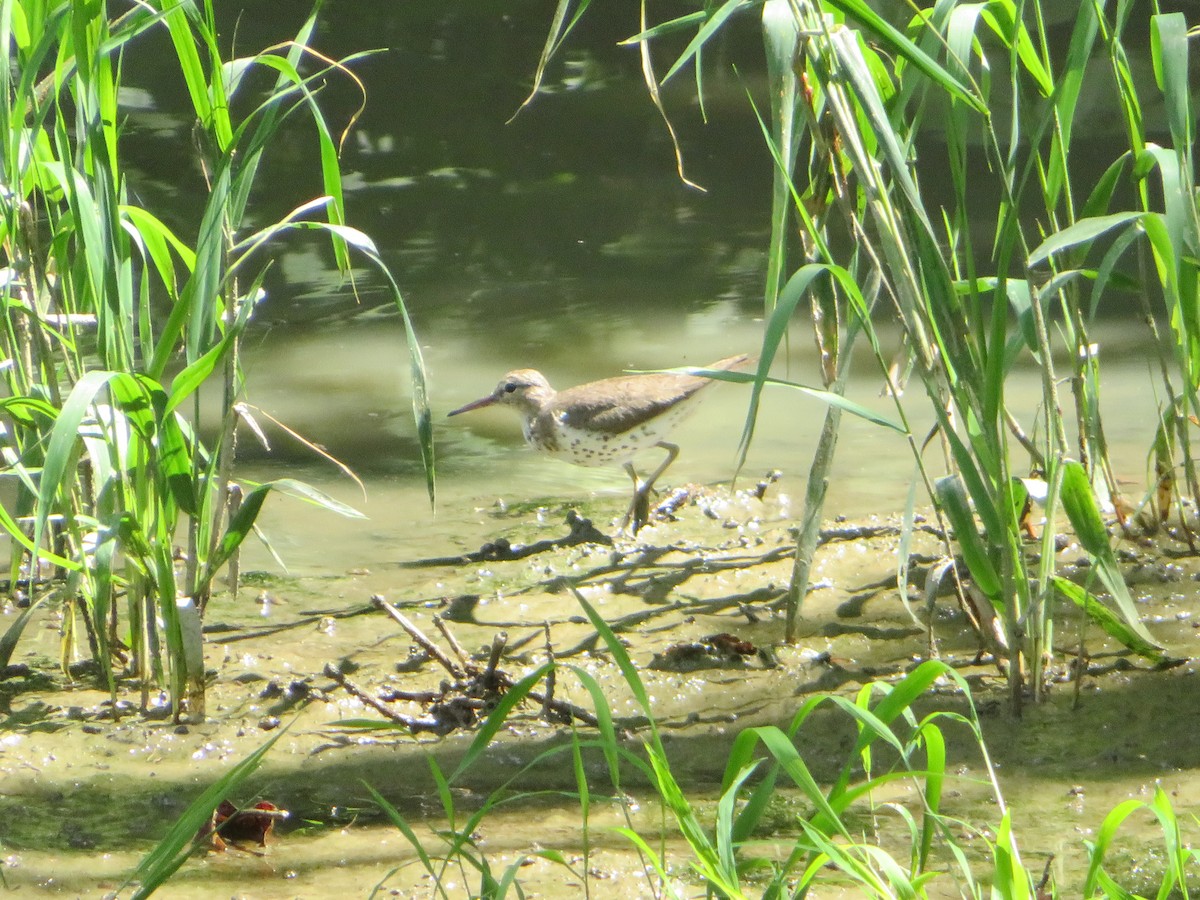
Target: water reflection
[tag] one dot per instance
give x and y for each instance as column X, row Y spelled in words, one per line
column 581, row 185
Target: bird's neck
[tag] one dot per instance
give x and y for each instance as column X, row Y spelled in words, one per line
column 532, row 402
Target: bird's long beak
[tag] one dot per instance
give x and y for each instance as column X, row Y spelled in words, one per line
column 478, row 404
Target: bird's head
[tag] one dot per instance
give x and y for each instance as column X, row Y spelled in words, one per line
column 525, row 390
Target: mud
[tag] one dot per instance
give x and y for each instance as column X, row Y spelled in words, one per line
column 89, row 789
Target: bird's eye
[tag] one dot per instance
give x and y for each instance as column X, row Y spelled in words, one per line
column 510, row 387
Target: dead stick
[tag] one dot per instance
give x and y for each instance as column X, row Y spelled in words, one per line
column 564, row 708
column 498, row 642
column 548, row 703
column 417, row 635
column 391, row 696
column 331, row 671
column 454, row 644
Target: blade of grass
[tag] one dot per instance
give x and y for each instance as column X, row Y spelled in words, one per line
column 177, row 845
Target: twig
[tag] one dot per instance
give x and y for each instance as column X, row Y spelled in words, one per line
column 332, row 671
column 417, row 635
column 500, row 550
column 549, row 699
column 467, row 664
column 565, row 709
column 393, row 694
column 445, row 715
column 476, row 690
column 498, row 643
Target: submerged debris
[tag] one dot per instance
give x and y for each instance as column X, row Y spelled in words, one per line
column 230, row 826
column 717, row 651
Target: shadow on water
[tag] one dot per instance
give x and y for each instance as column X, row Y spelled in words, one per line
column 1143, row 726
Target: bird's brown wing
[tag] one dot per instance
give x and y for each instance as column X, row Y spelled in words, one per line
column 618, row 404
column 626, row 401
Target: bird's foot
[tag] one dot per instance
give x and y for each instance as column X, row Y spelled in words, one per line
column 638, row 513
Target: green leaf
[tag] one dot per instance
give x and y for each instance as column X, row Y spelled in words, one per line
column 706, row 31
column 157, row 237
column 175, row 463
column 57, row 469
column 559, row 29
column 1002, row 19
column 1104, row 838
column 188, row 57
column 189, row 379
column 1169, row 48
column 784, row 750
column 774, row 336
column 668, row 27
column 418, row 377
column 829, row 397
column 1106, row 619
column 1106, row 185
column 1080, row 505
column 240, row 525
column 497, row 718
column 1082, row 232
column 306, row 492
column 895, row 42
column 201, row 292
column 608, row 734
column 952, row 498
column 405, row 829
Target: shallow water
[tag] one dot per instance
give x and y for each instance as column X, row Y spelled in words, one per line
column 78, row 788
column 362, row 418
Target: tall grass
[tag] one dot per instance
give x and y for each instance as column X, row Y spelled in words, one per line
column 854, row 95
column 847, row 833
column 114, row 322
column 726, row 848
column 887, row 822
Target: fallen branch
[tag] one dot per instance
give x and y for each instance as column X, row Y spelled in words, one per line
column 500, row 550
column 458, row 704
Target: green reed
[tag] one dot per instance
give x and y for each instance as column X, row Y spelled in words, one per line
column 845, row 832
column 853, row 92
column 1176, row 859
column 113, row 323
column 845, row 839
column 964, row 331
column 728, row 850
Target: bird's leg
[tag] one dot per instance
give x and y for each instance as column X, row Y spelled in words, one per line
column 639, row 508
column 672, row 452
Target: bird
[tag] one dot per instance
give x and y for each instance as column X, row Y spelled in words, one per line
column 605, row 422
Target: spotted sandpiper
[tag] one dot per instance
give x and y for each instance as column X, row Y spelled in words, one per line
column 605, row 421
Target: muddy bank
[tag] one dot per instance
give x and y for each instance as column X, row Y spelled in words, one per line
column 80, row 786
